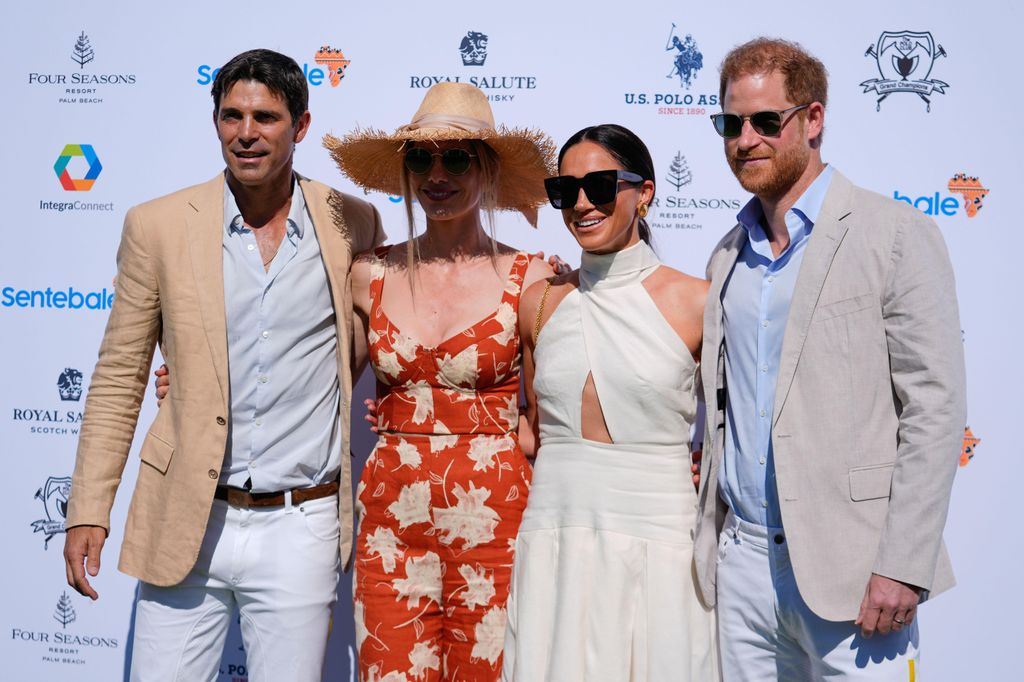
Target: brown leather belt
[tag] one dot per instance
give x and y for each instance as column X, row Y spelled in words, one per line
column 237, row 497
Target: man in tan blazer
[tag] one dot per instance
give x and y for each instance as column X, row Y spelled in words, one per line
column 244, row 283
column 834, row 379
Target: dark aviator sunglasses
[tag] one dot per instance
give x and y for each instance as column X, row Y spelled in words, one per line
column 454, row 161
column 767, row 123
column 599, row 186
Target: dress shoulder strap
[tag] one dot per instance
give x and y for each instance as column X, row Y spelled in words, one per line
column 540, row 311
column 377, row 268
column 516, row 277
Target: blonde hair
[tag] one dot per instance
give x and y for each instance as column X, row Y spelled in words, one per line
column 487, row 158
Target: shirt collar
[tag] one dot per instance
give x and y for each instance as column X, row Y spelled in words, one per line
column 800, row 218
column 233, row 223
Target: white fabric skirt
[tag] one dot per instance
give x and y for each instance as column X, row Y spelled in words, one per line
column 604, row 587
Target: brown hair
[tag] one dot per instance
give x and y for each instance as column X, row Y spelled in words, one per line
column 805, row 76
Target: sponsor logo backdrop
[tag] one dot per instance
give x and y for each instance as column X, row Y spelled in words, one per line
column 108, row 106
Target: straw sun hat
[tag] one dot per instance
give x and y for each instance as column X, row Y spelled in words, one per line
column 374, row 159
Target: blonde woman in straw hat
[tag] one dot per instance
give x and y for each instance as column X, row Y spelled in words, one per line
column 442, row 493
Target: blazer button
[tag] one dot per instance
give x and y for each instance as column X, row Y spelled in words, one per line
column 221, row 421
column 212, row 473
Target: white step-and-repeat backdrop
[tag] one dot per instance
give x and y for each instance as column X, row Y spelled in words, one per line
column 107, row 105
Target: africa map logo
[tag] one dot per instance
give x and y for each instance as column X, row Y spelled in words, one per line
column 335, row 62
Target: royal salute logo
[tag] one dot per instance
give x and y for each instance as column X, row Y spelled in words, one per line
column 967, row 450
column 335, row 62
column 967, row 196
column 90, row 83
column 905, row 60
column 69, row 384
column 473, row 49
column 969, row 187
column 54, row 496
column 54, row 418
column 686, row 210
column 473, row 53
column 685, row 66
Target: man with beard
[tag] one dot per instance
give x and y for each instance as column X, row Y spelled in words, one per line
column 834, row 378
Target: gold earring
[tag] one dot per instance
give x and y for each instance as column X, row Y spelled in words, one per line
column 641, row 210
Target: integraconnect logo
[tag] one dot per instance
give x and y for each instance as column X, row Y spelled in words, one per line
column 686, row 64
column 334, row 60
column 60, row 167
column 905, row 60
column 473, row 52
column 53, row 419
column 81, row 86
column 972, row 195
column 67, row 644
column 967, row 450
column 54, row 496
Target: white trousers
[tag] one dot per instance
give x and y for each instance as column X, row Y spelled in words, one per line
column 278, row 566
column 767, row 632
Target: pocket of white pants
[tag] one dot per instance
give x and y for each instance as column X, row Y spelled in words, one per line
column 321, row 518
column 724, row 540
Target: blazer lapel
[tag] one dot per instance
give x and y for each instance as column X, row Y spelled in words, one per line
column 324, row 208
column 826, row 236
column 722, row 262
column 205, row 224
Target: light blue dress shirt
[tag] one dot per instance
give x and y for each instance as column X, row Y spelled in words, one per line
column 282, row 358
column 755, row 304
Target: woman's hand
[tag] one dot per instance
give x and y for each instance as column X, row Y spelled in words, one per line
column 371, row 413
column 162, row 384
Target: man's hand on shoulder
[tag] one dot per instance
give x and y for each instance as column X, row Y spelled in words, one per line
column 82, row 547
column 888, row 606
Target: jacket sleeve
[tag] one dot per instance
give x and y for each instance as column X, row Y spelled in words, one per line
column 118, row 382
column 922, row 329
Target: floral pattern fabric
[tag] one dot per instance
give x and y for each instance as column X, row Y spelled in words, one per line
column 440, row 498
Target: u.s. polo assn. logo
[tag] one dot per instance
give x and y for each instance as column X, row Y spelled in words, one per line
column 54, row 496
column 905, row 60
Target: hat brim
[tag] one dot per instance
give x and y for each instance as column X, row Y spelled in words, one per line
column 373, row 160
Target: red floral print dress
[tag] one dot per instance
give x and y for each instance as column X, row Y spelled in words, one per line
column 440, row 498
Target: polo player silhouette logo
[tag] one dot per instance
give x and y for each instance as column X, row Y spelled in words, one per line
column 905, row 60
column 688, row 59
column 54, row 496
column 69, row 384
column 473, row 48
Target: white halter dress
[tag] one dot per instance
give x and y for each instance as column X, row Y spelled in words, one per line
column 603, row 587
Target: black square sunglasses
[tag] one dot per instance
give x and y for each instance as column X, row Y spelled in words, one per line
column 599, row 186
column 767, row 123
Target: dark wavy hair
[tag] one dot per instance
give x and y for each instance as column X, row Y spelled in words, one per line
column 280, row 73
column 628, row 149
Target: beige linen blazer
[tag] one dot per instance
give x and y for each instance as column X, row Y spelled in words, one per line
column 869, row 405
column 170, row 289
